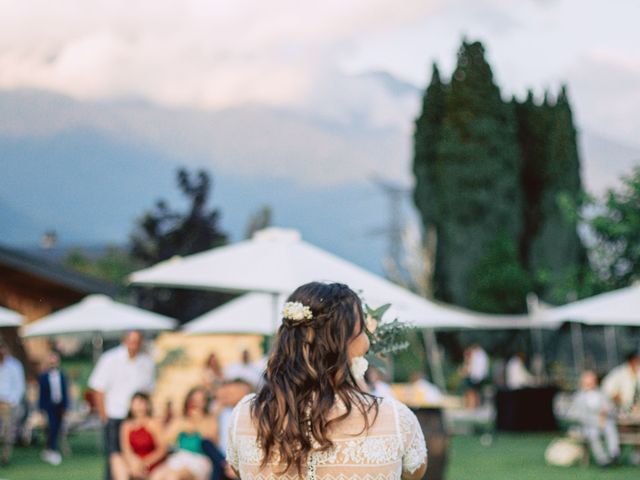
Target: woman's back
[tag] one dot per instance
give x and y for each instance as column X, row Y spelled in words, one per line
column 393, row 444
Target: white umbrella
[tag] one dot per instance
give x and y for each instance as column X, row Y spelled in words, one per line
column 9, row 318
column 250, row 313
column 97, row 314
column 617, row 308
column 276, row 261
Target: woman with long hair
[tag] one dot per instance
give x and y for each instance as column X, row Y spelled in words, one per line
column 141, row 442
column 312, row 417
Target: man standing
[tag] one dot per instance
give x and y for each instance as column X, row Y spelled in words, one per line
column 54, row 401
column 119, row 373
column 12, row 387
column 476, row 371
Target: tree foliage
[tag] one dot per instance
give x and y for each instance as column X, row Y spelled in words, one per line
column 113, row 265
column 490, row 176
column 616, row 226
column 163, row 233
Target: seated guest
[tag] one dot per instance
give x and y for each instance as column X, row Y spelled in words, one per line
column 246, row 369
column 189, row 461
column 622, row 384
column 376, row 383
column 53, row 401
column 517, row 375
column 142, row 448
column 423, row 392
column 229, row 394
column 596, row 414
column 212, row 376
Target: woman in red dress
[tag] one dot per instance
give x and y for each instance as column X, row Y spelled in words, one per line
column 141, row 444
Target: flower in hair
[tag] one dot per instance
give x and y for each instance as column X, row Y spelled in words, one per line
column 296, row 311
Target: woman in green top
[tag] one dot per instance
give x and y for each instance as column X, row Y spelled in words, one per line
column 188, row 462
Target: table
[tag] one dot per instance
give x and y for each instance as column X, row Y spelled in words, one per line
column 526, row 410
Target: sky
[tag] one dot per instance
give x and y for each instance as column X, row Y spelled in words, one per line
column 321, row 94
column 209, row 54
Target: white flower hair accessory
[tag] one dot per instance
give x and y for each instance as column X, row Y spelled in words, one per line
column 296, row 311
column 359, row 366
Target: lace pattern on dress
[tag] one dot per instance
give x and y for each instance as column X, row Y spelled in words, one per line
column 413, row 443
column 378, row 455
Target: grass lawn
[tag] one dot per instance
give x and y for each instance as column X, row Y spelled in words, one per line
column 519, row 457
column 511, row 457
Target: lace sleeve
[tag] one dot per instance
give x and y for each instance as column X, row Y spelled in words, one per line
column 232, row 445
column 414, row 453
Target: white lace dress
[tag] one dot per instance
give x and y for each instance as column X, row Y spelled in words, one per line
column 392, row 445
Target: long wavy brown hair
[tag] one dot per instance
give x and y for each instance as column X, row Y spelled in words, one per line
column 307, row 371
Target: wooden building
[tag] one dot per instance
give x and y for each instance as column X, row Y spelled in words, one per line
column 35, row 287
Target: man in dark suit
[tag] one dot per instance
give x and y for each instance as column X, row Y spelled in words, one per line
column 54, row 400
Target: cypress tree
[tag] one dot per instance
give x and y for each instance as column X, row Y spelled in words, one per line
column 494, row 179
column 428, row 132
column 550, row 247
column 477, row 166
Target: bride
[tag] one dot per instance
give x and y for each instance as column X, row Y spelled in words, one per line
column 311, row 419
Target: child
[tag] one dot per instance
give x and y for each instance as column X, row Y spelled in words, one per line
column 596, row 414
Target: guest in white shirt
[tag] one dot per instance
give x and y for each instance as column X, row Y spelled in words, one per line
column 517, row 374
column 423, row 392
column 12, row 388
column 377, row 385
column 475, row 370
column 250, row 372
column 118, row 375
column 622, row 384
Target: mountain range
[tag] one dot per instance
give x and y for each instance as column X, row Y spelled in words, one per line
column 88, row 169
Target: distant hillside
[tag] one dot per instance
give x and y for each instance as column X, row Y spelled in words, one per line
column 88, row 169
column 16, row 226
column 90, row 188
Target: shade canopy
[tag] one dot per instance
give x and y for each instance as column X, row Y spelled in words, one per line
column 513, row 322
column 97, row 314
column 619, row 307
column 9, row 318
column 249, row 313
column 276, row 261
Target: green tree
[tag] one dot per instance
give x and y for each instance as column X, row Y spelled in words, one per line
column 163, row 233
column 258, row 220
column 506, row 288
column 616, row 252
column 550, row 246
column 467, row 171
column 113, row 265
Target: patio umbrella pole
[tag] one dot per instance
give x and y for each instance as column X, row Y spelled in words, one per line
column 435, row 361
column 578, row 346
column 611, row 345
column 97, row 343
column 538, row 348
column 276, row 314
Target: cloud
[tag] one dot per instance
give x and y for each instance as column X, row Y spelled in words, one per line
column 197, row 53
column 605, row 86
